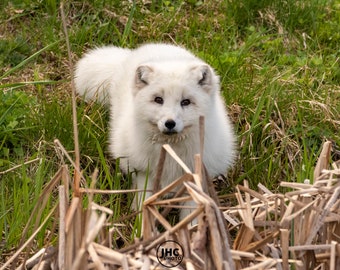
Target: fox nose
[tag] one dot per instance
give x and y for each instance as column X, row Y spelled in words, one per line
column 170, row 124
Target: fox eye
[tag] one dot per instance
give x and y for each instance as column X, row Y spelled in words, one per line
column 159, row 100
column 185, row 102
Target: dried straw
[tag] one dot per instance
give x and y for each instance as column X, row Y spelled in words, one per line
column 299, row 228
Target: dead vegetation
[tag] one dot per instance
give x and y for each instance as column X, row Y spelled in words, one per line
column 262, row 230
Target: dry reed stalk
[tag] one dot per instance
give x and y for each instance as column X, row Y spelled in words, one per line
column 20, row 165
column 323, row 160
column 62, row 235
column 74, row 106
column 284, row 246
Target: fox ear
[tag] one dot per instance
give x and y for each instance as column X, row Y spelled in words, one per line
column 205, row 76
column 142, row 76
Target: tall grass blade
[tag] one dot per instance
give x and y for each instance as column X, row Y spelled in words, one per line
column 27, row 60
column 128, row 25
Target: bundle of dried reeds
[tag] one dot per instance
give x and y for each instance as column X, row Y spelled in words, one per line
column 299, row 228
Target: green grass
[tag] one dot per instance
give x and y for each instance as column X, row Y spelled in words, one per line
column 279, row 68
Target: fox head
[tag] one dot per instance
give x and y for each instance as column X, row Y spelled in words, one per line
column 171, row 96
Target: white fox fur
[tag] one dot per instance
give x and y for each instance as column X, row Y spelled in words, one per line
column 156, row 94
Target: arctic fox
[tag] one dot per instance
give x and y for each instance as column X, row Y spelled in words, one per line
column 156, row 94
